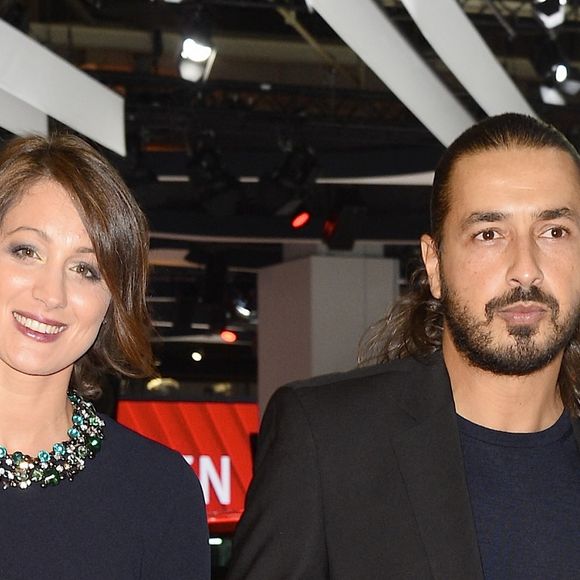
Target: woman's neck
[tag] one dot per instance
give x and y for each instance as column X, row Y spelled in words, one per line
column 35, row 412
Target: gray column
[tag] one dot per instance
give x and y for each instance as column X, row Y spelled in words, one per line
column 313, row 312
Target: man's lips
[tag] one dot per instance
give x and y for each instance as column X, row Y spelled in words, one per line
column 523, row 313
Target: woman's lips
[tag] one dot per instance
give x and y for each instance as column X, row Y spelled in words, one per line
column 39, row 328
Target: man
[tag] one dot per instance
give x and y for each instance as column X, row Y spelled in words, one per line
column 458, row 459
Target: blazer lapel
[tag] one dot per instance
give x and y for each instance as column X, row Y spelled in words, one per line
column 430, row 460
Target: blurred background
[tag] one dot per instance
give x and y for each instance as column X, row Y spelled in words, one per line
column 259, row 132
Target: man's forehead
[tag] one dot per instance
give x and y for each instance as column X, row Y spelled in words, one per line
column 515, row 174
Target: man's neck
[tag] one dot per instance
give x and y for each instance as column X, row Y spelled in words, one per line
column 517, row 404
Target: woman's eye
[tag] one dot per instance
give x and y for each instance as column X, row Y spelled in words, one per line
column 86, row 271
column 24, row 252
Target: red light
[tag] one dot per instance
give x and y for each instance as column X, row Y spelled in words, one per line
column 300, row 219
column 228, row 336
column 329, row 227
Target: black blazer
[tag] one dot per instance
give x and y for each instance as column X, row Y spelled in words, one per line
column 360, row 476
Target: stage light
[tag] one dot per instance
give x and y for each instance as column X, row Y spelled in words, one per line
column 197, row 356
column 551, row 64
column 196, row 59
column 242, row 309
column 551, row 13
column 285, row 188
column 300, row 218
column 217, row 191
column 195, row 51
column 162, row 384
column 560, row 72
column 228, row 336
column 340, row 227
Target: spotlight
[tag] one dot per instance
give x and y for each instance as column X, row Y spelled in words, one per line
column 195, row 51
column 217, row 190
column 228, row 336
column 551, row 63
column 300, row 218
column 243, row 310
column 551, row 13
column 339, row 231
column 196, row 59
column 286, row 186
column 560, row 72
column 197, row 356
column 162, row 384
column 244, row 307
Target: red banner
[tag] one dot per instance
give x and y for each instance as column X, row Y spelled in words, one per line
column 214, row 438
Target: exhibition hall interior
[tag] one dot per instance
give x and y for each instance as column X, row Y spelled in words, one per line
column 264, row 139
column 284, row 116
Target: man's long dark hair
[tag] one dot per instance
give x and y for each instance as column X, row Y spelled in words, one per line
column 414, row 325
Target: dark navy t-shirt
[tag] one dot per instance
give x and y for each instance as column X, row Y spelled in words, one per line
column 525, row 496
column 136, row 512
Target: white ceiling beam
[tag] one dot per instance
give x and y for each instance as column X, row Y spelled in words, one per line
column 33, row 74
column 366, row 29
column 20, row 118
column 459, row 45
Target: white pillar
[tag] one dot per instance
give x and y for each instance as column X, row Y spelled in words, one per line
column 313, row 312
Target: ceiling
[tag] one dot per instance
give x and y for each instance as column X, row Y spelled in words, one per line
column 288, row 115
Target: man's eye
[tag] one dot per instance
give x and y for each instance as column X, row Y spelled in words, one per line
column 486, row 235
column 556, row 232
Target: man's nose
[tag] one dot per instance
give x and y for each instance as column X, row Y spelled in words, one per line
column 524, row 267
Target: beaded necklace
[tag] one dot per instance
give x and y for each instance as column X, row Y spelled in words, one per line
column 66, row 458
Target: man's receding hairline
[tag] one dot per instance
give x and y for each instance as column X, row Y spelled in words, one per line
column 510, row 146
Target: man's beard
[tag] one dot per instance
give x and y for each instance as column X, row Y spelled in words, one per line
column 522, row 356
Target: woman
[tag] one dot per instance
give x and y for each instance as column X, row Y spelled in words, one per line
column 80, row 496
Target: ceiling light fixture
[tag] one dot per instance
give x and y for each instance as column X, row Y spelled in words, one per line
column 560, row 72
column 197, row 53
column 551, row 13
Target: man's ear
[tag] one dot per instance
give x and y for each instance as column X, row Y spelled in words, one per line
column 431, row 261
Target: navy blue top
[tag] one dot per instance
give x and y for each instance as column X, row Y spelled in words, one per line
column 135, row 512
column 525, row 496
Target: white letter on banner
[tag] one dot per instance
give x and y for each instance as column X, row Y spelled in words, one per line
column 221, row 484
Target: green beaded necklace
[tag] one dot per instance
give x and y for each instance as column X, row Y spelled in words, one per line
column 65, row 460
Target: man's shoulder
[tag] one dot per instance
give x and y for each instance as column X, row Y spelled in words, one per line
column 386, row 380
column 391, row 370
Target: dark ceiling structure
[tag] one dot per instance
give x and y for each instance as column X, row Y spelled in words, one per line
column 288, row 118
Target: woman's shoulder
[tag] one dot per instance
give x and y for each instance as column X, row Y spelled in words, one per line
column 138, row 454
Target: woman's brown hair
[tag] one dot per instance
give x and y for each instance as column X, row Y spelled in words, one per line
column 414, row 325
column 119, row 234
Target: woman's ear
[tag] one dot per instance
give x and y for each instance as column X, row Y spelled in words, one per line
column 431, row 260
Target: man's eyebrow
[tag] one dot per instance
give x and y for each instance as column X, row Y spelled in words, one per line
column 554, row 214
column 482, row 216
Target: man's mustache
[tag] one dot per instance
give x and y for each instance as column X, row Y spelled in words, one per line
column 520, row 294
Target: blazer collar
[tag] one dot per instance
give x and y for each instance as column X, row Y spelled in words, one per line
column 431, row 463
